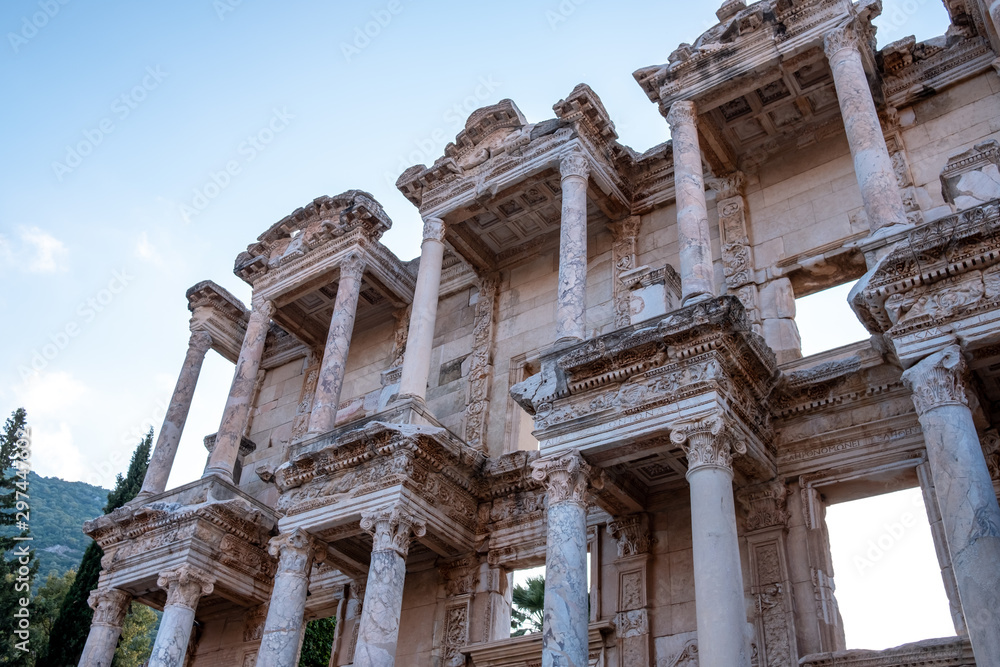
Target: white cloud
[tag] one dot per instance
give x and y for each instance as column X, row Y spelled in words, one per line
column 37, row 252
column 53, row 452
column 50, row 394
column 145, row 250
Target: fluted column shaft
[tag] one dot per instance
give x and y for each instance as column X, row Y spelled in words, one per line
column 872, row 164
column 185, row 586
column 571, row 300
column 969, row 510
column 338, row 343
column 720, row 608
column 281, row 640
column 110, row 606
column 423, row 314
column 234, row 417
column 165, row 450
column 566, row 613
column 693, row 234
column 392, row 530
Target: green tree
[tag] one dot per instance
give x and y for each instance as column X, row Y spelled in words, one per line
column 45, row 608
column 138, row 634
column 18, row 565
column 317, row 643
column 529, row 606
column 73, row 623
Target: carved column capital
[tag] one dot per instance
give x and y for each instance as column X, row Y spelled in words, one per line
column 200, row 342
column 937, row 380
column 707, row 442
column 434, row 229
column 567, row 478
column 110, row 606
column 574, row 163
column 728, row 186
column 352, row 266
column 296, row 552
column 632, row 535
column 682, row 112
column 186, row 585
column 393, row 529
column 765, row 505
column 845, row 37
column 263, row 308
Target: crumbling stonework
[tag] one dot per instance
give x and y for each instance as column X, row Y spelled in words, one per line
column 597, row 353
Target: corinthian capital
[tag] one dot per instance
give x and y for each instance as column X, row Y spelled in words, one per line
column 567, row 478
column 263, row 308
column 109, row 605
column 632, row 535
column 765, row 505
column 728, row 186
column 574, row 163
column 392, row 529
column 352, row 266
column 433, row 229
column 296, row 551
column 186, row 585
column 707, row 442
column 682, row 112
column 937, row 380
column 200, row 341
column 844, row 37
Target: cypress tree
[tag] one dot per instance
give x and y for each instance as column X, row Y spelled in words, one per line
column 73, row 624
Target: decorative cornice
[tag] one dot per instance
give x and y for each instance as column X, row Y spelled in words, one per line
column 186, row 585
column 937, row 380
column 110, row 606
column 707, row 442
column 393, row 529
column 568, row 478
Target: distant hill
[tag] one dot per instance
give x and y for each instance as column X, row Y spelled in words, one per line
column 58, row 510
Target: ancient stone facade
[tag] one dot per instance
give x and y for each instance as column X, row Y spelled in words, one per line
column 595, row 366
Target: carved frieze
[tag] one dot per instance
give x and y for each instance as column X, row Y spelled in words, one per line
column 631, row 534
column 481, row 368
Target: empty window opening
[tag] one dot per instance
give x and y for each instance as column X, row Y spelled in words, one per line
column 924, row 19
column 826, row 321
column 888, row 579
column 528, row 599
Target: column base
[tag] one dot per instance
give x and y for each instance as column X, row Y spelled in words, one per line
column 697, row 298
column 224, row 475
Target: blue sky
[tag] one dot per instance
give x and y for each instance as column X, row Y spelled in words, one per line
column 122, row 116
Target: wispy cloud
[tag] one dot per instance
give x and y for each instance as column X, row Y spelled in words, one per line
column 145, row 250
column 34, row 250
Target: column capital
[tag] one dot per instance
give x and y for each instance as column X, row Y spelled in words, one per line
column 186, row 585
column 200, row 341
column 937, row 380
column 765, row 505
column 847, row 36
column 263, row 308
column 353, row 265
column 632, row 535
column 707, row 442
column 296, row 551
column 110, row 606
column 393, row 529
column 626, row 229
column 574, row 163
column 682, row 112
column 567, row 478
column 728, row 186
column 434, row 229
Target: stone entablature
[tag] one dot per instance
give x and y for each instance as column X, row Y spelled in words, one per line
column 220, row 314
column 946, row 652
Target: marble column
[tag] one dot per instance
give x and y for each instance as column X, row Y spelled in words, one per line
column 110, row 606
column 571, row 301
column 720, row 606
column 693, row 234
column 234, row 417
column 392, row 529
column 423, row 314
column 326, row 400
column 185, row 586
column 940, row 540
column 969, row 509
column 565, row 617
column 162, row 460
column 281, row 639
column 872, row 164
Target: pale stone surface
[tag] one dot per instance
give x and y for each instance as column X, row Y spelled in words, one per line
column 110, row 606
column 697, row 274
column 185, row 586
column 165, row 450
column 334, row 366
column 423, row 315
column 571, row 308
column 969, row 509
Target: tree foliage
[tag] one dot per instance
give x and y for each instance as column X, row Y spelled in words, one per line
column 73, row 623
column 45, row 607
column 138, row 635
column 528, row 606
column 318, row 643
